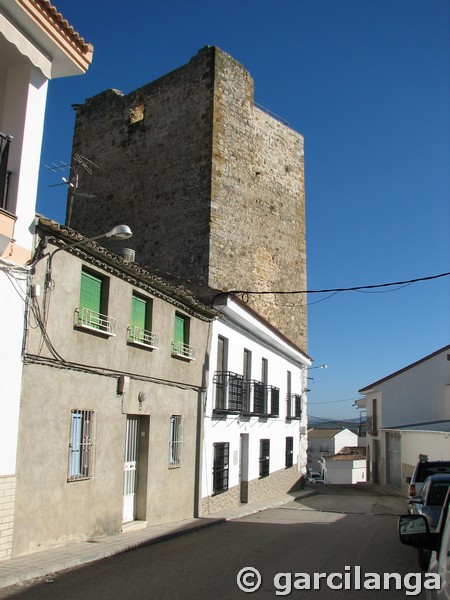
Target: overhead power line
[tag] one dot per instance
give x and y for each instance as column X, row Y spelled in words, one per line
column 335, row 401
column 333, row 290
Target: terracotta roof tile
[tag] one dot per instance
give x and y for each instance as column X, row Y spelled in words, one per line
column 52, row 13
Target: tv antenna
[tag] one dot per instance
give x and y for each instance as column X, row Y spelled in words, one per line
column 79, row 161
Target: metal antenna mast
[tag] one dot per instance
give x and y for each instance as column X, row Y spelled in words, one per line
column 72, row 183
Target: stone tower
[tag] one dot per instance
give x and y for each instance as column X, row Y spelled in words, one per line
column 211, row 185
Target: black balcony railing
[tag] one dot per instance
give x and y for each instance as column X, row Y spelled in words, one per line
column 228, row 391
column 274, row 394
column 5, row 175
column 234, row 394
column 259, row 397
column 293, row 406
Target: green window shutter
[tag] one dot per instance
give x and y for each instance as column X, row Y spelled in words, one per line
column 90, row 292
column 138, row 312
column 179, row 329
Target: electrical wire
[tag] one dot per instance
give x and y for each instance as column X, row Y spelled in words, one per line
column 335, row 401
column 332, row 290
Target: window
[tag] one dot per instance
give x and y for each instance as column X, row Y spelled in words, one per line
column 82, row 445
column 139, row 330
column 91, row 313
column 289, row 394
column 247, row 374
column 374, row 416
column 220, row 467
column 5, row 174
column 180, row 344
column 289, row 452
column 264, row 458
column 176, row 441
column 297, row 406
column 222, row 353
column 264, row 380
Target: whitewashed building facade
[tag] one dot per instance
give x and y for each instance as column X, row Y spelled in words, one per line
column 408, row 413
column 254, row 438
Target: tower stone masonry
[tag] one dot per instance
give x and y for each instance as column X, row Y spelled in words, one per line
column 211, row 185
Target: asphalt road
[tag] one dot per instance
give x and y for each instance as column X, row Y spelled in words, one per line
column 342, row 531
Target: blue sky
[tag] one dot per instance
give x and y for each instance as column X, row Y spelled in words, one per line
column 367, row 82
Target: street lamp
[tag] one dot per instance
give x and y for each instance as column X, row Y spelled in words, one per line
column 318, row 367
column 119, row 232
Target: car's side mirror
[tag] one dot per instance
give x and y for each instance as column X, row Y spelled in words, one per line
column 408, row 480
column 414, row 530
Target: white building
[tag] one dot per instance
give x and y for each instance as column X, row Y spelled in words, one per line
column 36, row 44
column 347, row 466
column 254, row 443
column 323, row 442
column 408, row 413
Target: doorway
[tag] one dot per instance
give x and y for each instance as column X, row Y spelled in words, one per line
column 243, row 468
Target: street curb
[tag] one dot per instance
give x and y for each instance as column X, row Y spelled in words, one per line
column 77, row 561
column 64, row 563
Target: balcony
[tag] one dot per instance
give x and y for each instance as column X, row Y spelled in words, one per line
column 141, row 337
column 86, row 318
column 235, row 395
column 228, row 392
column 255, row 398
column 181, row 350
column 294, row 406
column 274, row 399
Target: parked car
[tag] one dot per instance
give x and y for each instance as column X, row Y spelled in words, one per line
column 429, row 504
column 431, row 498
column 423, row 469
column 314, row 477
column 414, row 530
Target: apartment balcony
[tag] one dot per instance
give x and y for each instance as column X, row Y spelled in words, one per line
column 228, row 392
column 294, row 406
column 255, row 398
column 141, row 337
column 273, row 399
column 181, row 350
column 235, row 395
column 90, row 320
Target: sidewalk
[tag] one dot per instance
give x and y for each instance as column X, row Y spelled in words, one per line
column 46, row 562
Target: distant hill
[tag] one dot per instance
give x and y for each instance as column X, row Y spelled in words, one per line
column 333, row 423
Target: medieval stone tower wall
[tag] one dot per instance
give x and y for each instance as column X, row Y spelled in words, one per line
column 211, row 185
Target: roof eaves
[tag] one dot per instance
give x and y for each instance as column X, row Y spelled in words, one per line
column 170, row 291
column 368, row 388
